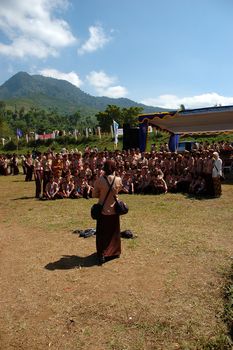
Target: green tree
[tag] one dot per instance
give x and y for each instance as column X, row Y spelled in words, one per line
column 129, row 115
column 1, row 122
column 2, row 107
column 21, row 112
column 5, row 130
column 105, row 119
column 73, row 120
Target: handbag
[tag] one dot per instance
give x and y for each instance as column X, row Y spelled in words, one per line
column 222, row 177
column 127, row 234
column 96, row 209
column 121, row 207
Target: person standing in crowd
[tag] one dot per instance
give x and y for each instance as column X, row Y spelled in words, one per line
column 30, row 167
column 15, row 168
column 108, row 241
column 23, row 160
column 216, row 174
column 38, row 174
column 56, row 166
column 47, row 169
column 207, row 172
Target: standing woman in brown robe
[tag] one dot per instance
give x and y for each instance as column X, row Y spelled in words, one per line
column 108, row 241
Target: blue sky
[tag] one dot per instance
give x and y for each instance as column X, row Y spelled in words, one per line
column 161, row 53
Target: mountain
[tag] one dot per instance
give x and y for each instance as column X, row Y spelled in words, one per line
column 24, row 89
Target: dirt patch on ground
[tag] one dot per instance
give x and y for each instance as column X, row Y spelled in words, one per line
column 165, row 292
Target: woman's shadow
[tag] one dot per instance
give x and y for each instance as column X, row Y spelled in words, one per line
column 72, row 261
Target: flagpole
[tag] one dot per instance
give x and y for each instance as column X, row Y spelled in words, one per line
column 17, row 145
column 115, row 130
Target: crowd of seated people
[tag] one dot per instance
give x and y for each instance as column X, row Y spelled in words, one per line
column 72, row 174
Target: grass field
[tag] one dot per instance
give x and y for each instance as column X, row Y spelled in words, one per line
column 165, row 292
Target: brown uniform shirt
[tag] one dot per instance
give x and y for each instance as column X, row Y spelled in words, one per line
column 101, row 189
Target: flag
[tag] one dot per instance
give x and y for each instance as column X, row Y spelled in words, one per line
column 19, row 132
column 115, row 130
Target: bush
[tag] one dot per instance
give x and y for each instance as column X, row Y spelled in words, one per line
column 10, row 146
column 66, row 140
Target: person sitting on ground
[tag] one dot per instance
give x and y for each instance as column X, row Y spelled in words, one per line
column 197, row 186
column 91, row 182
column 51, row 189
column 77, row 184
column 159, row 183
column 184, row 182
column 86, row 188
column 67, row 186
column 127, row 182
column 171, row 181
column 201, row 186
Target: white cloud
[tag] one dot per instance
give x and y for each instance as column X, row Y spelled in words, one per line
column 100, row 79
column 33, row 29
column 22, row 47
column 72, row 77
column 103, row 85
column 114, row 91
column 96, row 41
column 199, row 101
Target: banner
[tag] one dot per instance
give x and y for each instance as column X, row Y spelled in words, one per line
column 143, row 136
column 173, row 142
column 45, row 136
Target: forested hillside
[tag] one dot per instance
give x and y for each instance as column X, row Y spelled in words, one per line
column 24, row 90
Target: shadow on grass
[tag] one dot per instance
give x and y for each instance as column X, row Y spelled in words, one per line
column 24, row 197
column 72, row 261
column 198, row 198
column 18, row 181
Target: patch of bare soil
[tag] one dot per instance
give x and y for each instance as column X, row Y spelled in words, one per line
column 164, row 292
